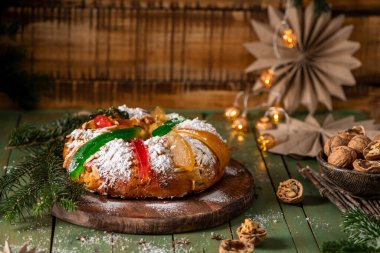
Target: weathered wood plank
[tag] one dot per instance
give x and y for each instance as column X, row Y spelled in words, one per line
column 158, row 52
column 323, row 217
column 295, row 217
column 265, row 208
column 34, row 232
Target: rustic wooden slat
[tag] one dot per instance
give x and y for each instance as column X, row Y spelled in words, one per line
column 323, row 217
column 36, row 233
column 9, row 121
column 265, row 208
column 295, row 217
column 158, row 52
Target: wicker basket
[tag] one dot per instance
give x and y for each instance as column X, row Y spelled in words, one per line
column 357, row 183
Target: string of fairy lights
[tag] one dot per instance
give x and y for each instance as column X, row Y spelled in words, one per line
column 236, row 114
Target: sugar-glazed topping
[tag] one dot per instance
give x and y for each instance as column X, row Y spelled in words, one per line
column 137, row 112
column 113, row 161
column 173, row 115
column 80, row 137
column 203, row 155
column 160, row 157
column 201, row 125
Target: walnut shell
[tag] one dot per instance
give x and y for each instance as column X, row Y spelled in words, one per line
column 290, row 191
column 372, row 151
column 350, row 133
column 366, row 166
column 342, row 156
column 359, row 143
column 235, row 246
column 251, row 232
column 334, row 142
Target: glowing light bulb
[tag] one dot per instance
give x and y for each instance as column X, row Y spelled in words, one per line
column 231, row 113
column 240, row 124
column 276, row 116
column 264, row 123
column 267, row 78
column 266, row 141
column 289, row 38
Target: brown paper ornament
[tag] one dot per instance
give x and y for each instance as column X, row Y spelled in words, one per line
column 316, row 68
column 306, row 138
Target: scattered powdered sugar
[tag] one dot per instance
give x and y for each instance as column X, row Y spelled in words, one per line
column 137, row 112
column 80, row 137
column 233, row 171
column 167, row 207
column 173, row 115
column 160, row 157
column 113, row 161
column 217, row 197
column 203, row 155
column 198, row 124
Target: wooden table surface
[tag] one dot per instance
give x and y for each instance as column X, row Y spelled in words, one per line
column 291, row 228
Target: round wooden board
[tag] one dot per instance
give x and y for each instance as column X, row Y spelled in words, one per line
column 215, row 206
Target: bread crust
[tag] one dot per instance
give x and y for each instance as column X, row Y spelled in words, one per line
column 180, row 183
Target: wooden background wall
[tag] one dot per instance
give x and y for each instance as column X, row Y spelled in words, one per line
column 178, row 53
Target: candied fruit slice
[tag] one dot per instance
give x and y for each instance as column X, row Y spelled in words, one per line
column 217, row 146
column 142, row 155
column 183, row 155
column 102, row 121
column 159, row 115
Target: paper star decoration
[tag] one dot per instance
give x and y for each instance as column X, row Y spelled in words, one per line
column 306, row 138
column 316, row 68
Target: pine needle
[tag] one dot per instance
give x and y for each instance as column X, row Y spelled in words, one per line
column 33, row 186
column 362, row 228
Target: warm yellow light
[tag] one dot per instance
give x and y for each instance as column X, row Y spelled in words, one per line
column 240, row 124
column 266, row 141
column 267, row 78
column 289, row 38
column 264, row 123
column 276, row 116
column 231, row 113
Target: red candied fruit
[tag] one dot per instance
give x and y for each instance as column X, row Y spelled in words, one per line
column 142, row 155
column 102, row 121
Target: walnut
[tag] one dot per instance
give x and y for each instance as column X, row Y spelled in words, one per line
column 342, row 156
column 251, row 232
column 235, row 246
column 359, row 143
column 366, row 166
column 290, row 191
column 350, row 133
column 372, row 151
column 334, row 142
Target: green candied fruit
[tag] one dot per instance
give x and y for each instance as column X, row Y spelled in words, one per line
column 92, row 146
column 167, row 126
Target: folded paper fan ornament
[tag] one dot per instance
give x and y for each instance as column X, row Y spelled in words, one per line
column 312, row 70
column 306, row 138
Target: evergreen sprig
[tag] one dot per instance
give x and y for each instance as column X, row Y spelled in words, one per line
column 345, row 246
column 111, row 111
column 363, row 234
column 362, row 229
column 29, row 135
column 34, row 185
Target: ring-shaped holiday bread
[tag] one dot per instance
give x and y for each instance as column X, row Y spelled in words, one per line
column 131, row 153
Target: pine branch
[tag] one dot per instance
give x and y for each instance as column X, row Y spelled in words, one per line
column 344, row 246
column 29, row 135
column 362, row 229
column 34, row 185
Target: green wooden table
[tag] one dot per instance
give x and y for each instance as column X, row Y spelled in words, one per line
column 291, row 228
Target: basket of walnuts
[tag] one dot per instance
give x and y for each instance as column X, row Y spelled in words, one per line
column 352, row 161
